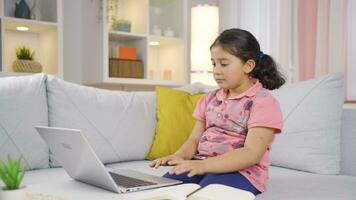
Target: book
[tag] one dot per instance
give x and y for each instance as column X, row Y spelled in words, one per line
column 128, row 53
column 191, row 191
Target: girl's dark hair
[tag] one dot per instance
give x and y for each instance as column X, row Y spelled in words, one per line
column 244, row 45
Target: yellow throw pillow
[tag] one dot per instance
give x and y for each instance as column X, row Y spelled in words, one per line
column 174, row 121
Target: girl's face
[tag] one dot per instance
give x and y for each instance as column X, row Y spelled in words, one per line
column 230, row 72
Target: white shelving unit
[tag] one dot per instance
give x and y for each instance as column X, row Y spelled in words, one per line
column 44, row 36
column 164, row 64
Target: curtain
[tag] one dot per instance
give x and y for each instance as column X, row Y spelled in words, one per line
column 307, row 38
column 261, row 18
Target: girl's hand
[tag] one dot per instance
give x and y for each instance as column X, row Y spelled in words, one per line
column 193, row 167
column 165, row 160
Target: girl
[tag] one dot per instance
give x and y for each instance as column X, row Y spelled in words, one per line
column 236, row 124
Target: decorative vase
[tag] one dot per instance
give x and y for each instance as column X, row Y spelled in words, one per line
column 19, row 194
column 168, row 32
column 156, row 30
column 35, row 11
column 122, row 25
column 26, row 66
column 22, row 10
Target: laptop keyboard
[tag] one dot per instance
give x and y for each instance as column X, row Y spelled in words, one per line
column 129, row 182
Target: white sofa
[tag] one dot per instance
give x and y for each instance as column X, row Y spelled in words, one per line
column 314, row 163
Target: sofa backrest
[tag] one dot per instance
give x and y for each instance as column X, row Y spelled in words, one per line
column 310, row 138
column 348, row 141
column 61, row 95
column 119, row 125
column 317, row 117
column 23, row 104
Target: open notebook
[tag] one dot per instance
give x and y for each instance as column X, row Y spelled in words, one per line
column 191, row 191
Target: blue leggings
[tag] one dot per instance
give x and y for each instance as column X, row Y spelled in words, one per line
column 234, row 179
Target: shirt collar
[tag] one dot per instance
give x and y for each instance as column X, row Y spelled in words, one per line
column 252, row 91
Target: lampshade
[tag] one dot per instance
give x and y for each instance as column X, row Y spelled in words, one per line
column 204, row 30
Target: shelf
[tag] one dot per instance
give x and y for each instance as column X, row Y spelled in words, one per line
column 161, row 2
column 165, row 64
column 349, row 106
column 168, row 13
column 134, row 11
column 136, row 81
column 166, row 40
column 6, row 74
column 44, row 10
column 44, row 35
column 10, row 23
column 42, row 38
column 119, row 35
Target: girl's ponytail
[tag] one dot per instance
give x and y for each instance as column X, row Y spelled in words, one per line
column 267, row 73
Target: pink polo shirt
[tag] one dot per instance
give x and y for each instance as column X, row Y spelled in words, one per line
column 227, row 121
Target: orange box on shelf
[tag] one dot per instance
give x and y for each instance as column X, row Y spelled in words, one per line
column 127, row 53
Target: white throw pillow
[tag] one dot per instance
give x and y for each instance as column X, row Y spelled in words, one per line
column 310, row 139
column 119, row 125
column 197, row 87
column 23, row 105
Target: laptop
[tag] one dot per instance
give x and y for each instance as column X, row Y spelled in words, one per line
column 72, row 150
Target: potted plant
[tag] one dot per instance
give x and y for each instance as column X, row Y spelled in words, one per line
column 25, row 62
column 12, row 173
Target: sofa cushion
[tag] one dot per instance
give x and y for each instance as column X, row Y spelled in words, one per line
column 23, row 104
column 283, row 183
column 195, row 88
column 46, row 176
column 118, row 125
column 174, row 121
column 310, row 139
column 296, row 185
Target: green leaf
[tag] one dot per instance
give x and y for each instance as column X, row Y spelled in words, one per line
column 24, row 53
column 11, row 173
column 20, row 178
column 3, row 169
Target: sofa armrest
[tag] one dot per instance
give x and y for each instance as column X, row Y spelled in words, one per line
column 348, row 141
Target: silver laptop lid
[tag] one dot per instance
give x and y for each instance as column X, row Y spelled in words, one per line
column 73, row 152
